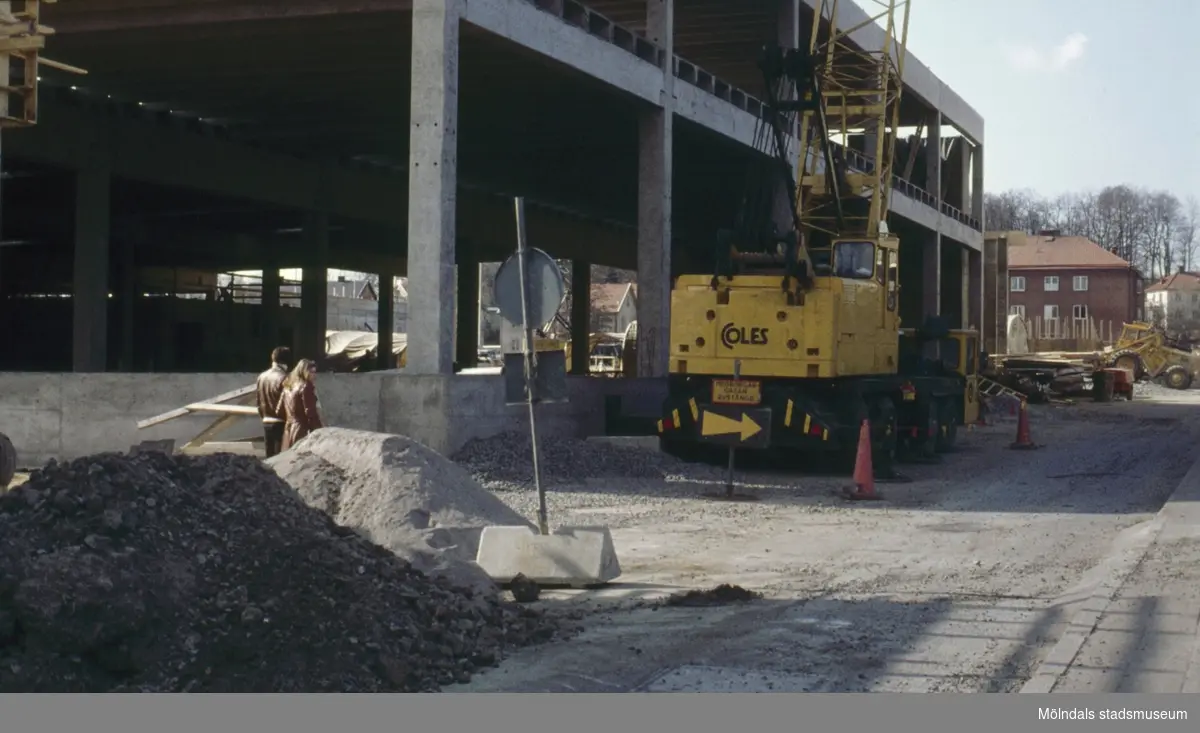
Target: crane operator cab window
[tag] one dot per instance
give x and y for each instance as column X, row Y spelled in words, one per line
column 854, row 260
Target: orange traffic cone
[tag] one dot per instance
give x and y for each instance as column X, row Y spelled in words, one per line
column 864, row 475
column 1023, row 442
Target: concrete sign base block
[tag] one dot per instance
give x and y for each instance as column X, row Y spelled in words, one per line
column 577, row 557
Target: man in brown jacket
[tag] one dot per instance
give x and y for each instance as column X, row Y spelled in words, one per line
column 270, row 387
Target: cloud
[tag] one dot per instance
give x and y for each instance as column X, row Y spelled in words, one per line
column 1030, row 58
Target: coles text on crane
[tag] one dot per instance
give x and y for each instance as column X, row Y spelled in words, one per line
column 733, row 334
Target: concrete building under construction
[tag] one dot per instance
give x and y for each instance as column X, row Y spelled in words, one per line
column 389, row 137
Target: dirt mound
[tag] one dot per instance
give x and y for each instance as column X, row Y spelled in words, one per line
column 721, row 595
column 208, row 574
column 400, row 495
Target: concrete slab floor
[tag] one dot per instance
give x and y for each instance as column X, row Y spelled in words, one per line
column 959, row 581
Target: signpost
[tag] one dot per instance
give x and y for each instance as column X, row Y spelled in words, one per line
column 731, row 421
column 530, row 293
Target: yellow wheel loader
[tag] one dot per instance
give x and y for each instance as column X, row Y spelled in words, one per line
column 1148, row 353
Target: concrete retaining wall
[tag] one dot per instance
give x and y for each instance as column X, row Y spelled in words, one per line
column 64, row 416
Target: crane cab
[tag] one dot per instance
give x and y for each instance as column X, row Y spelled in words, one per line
column 844, row 324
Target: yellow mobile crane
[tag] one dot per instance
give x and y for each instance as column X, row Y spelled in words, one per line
column 794, row 338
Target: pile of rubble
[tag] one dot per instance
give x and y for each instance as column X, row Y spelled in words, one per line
column 208, row 574
column 505, row 461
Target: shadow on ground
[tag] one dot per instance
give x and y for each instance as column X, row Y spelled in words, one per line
column 821, row 644
column 1109, row 458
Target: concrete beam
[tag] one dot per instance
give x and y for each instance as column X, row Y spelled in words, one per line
column 698, row 106
column 525, row 24
column 928, row 217
column 107, row 19
column 145, row 151
column 491, row 225
column 956, row 230
column 90, row 298
column 432, row 185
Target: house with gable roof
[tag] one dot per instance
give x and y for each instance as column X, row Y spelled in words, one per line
column 1064, row 279
column 1173, row 302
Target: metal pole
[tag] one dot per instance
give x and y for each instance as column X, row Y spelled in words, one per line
column 737, row 374
column 530, row 363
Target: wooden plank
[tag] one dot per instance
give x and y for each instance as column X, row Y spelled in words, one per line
column 180, row 412
column 242, row 410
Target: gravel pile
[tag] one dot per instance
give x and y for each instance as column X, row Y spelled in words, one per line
column 208, row 574
column 505, row 461
column 401, row 495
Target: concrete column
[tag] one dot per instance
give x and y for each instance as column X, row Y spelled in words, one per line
column 90, row 302
column 271, row 283
column 977, row 184
column 931, row 278
column 964, row 195
column 965, row 288
column 990, row 321
column 128, row 299
column 314, row 287
column 5, row 9
column 975, row 291
column 1002, row 295
column 432, row 184
column 467, row 310
column 386, row 318
column 655, row 148
column 660, row 27
column 933, row 155
column 581, row 316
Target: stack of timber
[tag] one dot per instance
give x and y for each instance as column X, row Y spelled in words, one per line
column 1045, row 377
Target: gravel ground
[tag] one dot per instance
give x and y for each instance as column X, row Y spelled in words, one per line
column 504, row 463
column 154, row 573
column 960, row 580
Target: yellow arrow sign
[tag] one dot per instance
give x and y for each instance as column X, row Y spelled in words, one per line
column 716, row 424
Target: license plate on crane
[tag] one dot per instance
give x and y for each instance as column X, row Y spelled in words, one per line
column 736, row 392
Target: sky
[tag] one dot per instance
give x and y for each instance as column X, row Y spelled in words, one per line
column 1075, row 94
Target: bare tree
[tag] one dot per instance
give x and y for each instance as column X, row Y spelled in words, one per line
column 1188, row 234
column 1153, row 230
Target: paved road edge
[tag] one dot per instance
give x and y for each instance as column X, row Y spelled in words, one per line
column 1179, row 515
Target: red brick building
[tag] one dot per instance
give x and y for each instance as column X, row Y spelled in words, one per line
column 1061, row 279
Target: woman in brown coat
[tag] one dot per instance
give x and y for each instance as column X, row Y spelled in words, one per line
column 298, row 403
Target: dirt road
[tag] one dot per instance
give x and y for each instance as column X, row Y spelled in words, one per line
column 959, row 581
